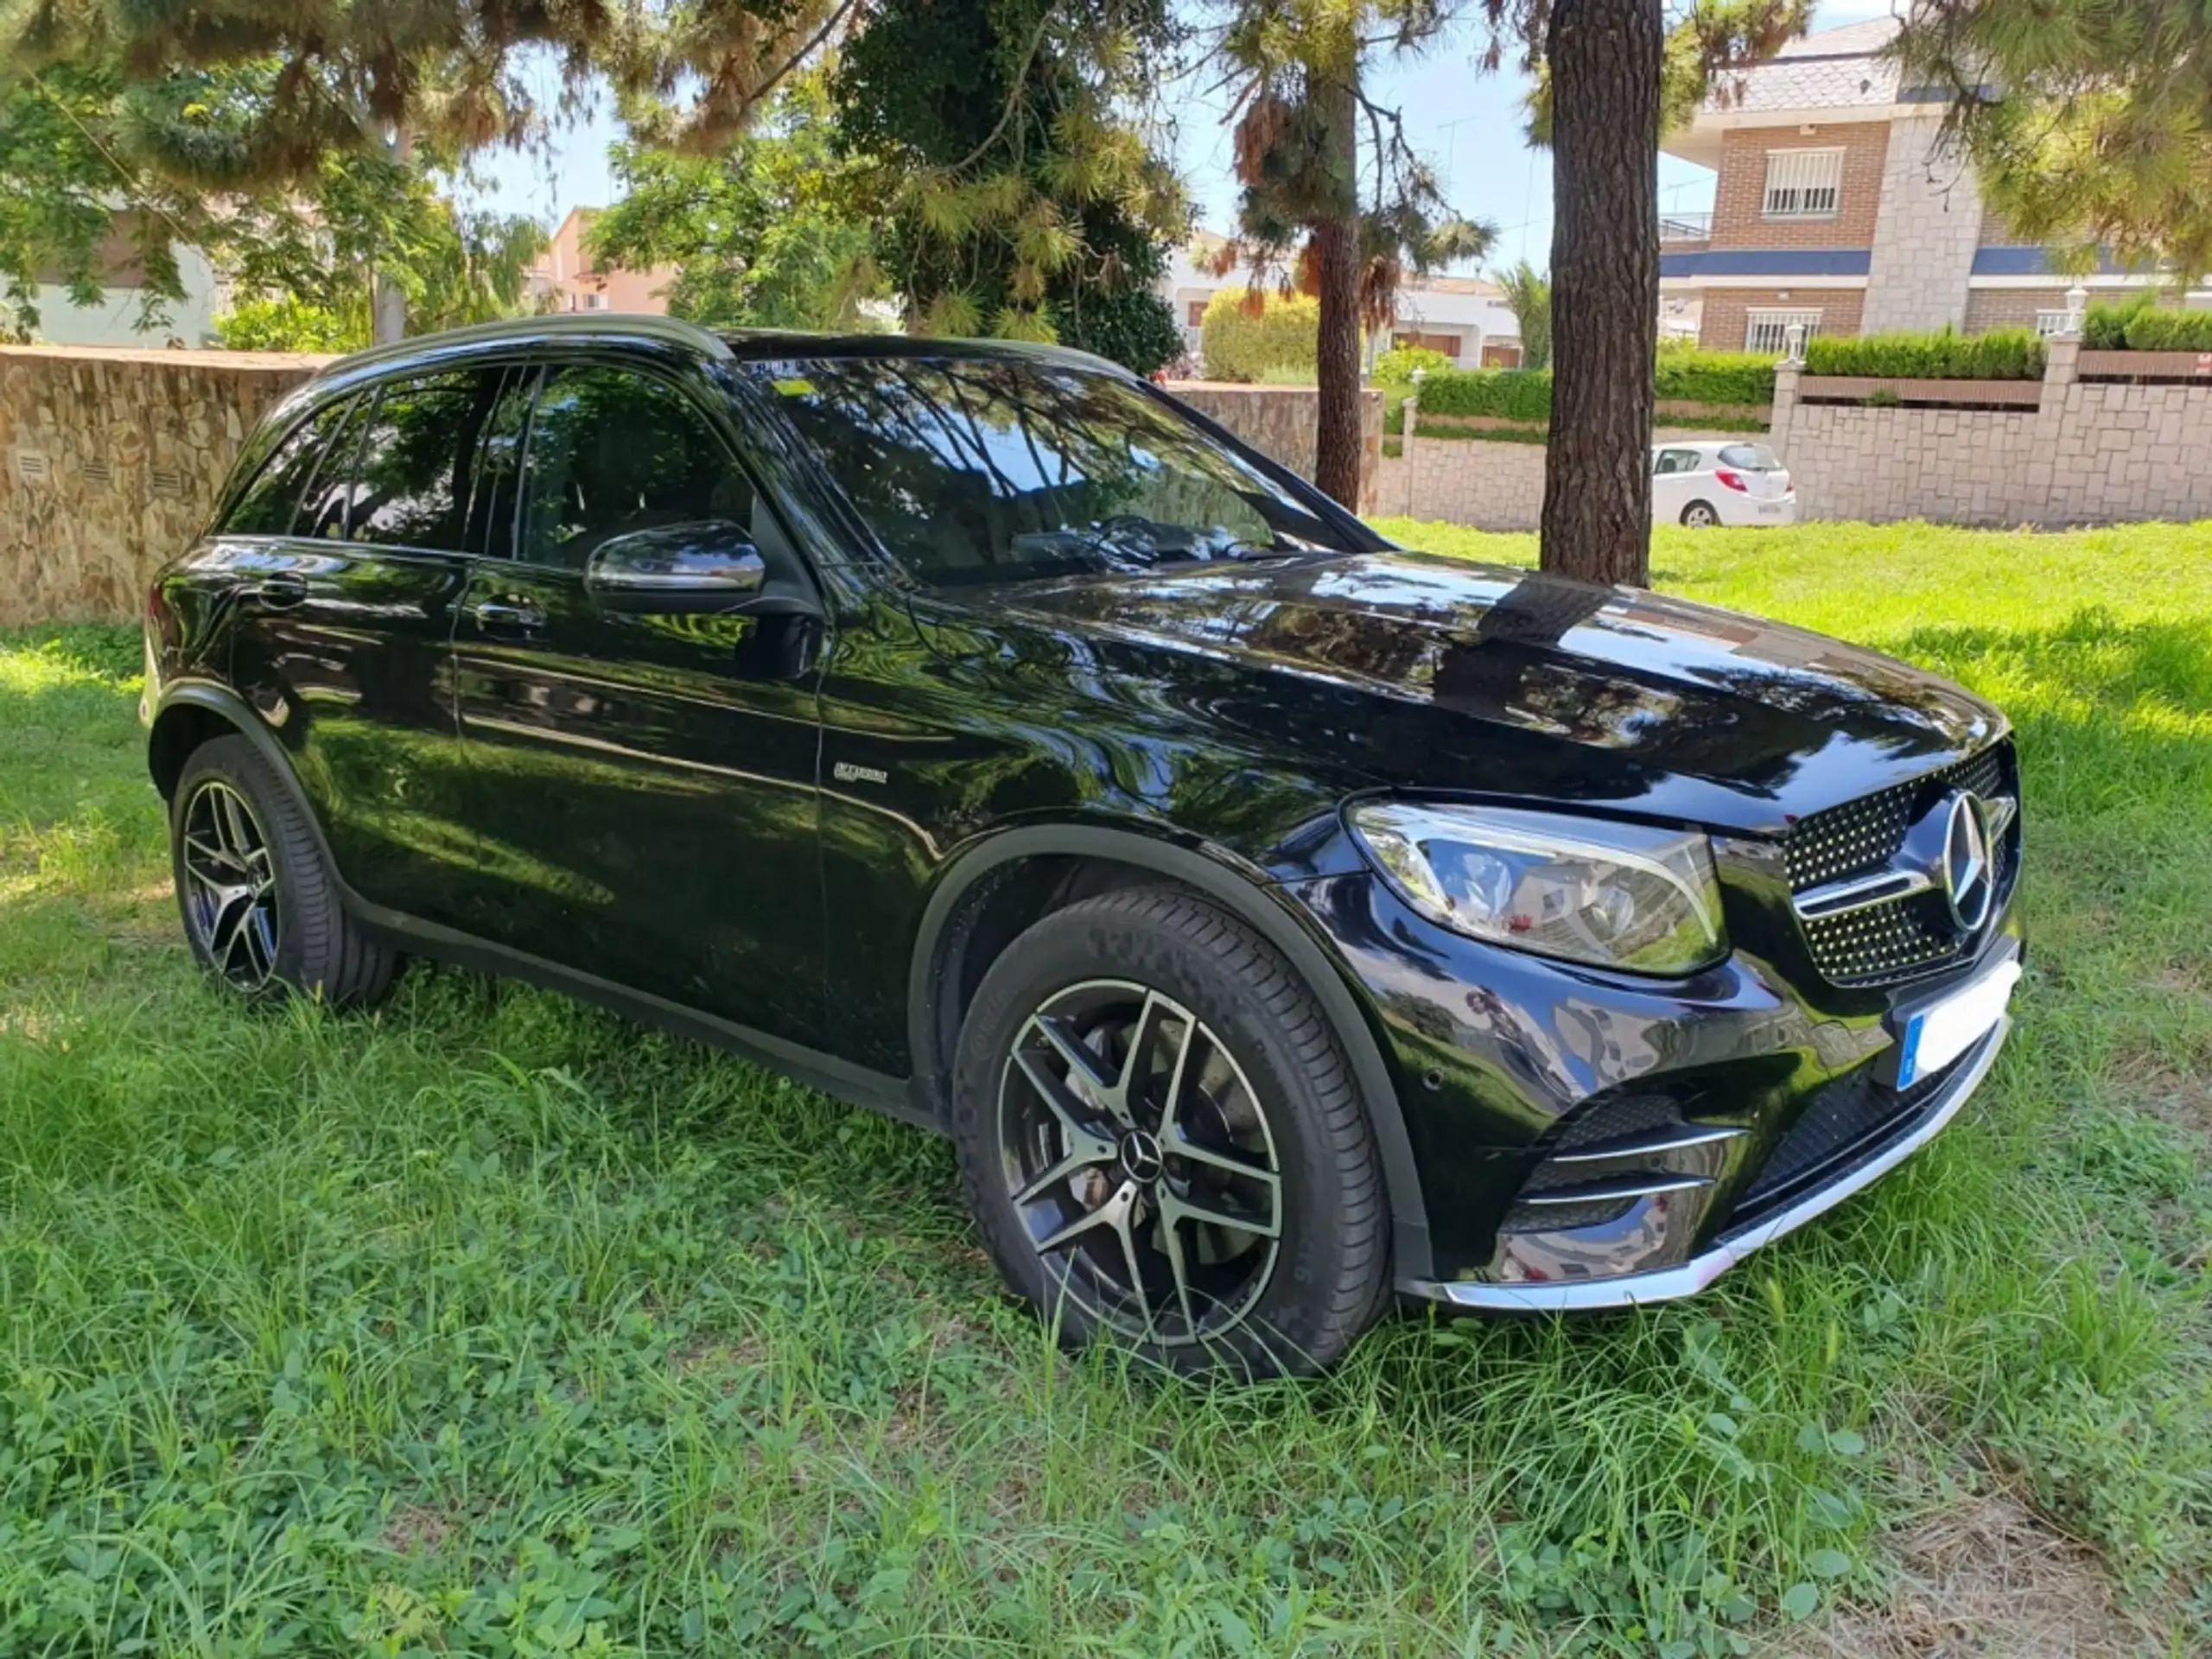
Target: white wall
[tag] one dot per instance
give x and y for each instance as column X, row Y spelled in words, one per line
column 114, row 321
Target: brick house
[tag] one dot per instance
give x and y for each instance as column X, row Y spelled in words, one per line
column 1834, row 209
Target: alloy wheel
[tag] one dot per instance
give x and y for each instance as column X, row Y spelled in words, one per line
column 1140, row 1160
column 1697, row 516
column 230, row 879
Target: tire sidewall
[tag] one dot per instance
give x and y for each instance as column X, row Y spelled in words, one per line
column 1289, row 1326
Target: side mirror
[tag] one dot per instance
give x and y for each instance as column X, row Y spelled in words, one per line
column 706, row 565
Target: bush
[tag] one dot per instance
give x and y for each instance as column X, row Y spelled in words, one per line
column 2104, row 326
column 1701, row 377
column 288, row 324
column 1509, row 394
column 1395, row 366
column 1134, row 327
column 2004, row 354
column 2150, row 330
column 1285, row 335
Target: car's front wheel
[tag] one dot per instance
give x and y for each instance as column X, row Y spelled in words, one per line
column 1162, row 1141
column 261, row 910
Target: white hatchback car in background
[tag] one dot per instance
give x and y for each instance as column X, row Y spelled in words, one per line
column 1702, row 484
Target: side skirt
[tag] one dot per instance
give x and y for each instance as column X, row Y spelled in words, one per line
column 855, row 1086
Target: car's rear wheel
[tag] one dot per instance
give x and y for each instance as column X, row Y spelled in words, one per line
column 261, row 910
column 1700, row 515
column 1162, row 1143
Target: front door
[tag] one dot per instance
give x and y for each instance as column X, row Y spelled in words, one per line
column 642, row 788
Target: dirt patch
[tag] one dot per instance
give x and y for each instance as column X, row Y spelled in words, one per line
column 2170, row 1086
column 1988, row 1579
column 417, row 1529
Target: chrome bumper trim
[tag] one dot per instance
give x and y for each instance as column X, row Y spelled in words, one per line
column 1667, row 1284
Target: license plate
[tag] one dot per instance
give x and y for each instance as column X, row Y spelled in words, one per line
column 1941, row 1032
column 1770, row 506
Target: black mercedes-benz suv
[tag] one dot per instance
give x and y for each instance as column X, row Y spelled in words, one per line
column 1278, row 922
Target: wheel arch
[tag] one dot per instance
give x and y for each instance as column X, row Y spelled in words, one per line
column 1044, row 868
column 195, row 712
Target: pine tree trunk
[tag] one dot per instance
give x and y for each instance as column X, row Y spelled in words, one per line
column 1337, row 270
column 1606, row 58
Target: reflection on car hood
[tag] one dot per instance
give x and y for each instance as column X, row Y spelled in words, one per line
column 1478, row 677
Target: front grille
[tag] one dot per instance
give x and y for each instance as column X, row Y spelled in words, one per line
column 1845, row 1119
column 1903, row 937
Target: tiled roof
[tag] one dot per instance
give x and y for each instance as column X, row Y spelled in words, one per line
column 1837, row 68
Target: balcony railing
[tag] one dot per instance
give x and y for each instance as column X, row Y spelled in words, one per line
column 1686, row 227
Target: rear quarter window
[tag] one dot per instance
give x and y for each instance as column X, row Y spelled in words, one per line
column 268, row 506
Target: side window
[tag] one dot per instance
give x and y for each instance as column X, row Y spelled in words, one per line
column 611, row 451
column 499, row 466
column 413, row 469
column 322, row 511
column 1677, row 461
column 270, row 501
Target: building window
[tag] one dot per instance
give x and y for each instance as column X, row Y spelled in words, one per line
column 1768, row 332
column 594, row 301
column 1803, row 183
column 1196, row 316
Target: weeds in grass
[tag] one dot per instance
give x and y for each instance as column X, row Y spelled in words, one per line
column 489, row 1324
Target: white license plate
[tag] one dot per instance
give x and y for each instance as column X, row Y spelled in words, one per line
column 1937, row 1035
column 1770, row 506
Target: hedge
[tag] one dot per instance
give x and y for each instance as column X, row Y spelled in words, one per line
column 2104, row 326
column 1285, row 335
column 2170, row 331
column 2004, row 354
column 1716, row 377
column 1729, row 378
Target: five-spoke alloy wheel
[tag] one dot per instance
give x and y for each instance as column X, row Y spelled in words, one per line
column 229, row 890
column 1162, row 1143
column 261, row 908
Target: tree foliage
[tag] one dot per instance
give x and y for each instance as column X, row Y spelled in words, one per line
column 762, row 233
column 1529, row 298
column 2090, row 121
column 1011, row 196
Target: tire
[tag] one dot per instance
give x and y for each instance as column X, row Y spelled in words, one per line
column 1268, row 1128
column 1700, row 515
column 236, row 828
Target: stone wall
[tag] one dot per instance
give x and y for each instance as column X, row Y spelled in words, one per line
column 1925, row 239
column 2087, row 453
column 1282, row 422
column 1480, row 482
column 110, row 464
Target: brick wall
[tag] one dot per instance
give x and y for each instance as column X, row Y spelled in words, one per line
column 2009, row 308
column 110, row 464
column 1739, row 195
column 1721, row 328
column 2087, row 454
column 1282, row 422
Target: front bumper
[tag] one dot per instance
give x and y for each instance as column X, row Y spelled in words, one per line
column 1900, row 1140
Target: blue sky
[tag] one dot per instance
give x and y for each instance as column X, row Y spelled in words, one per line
column 1466, row 123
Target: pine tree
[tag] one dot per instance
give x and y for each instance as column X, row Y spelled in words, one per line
column 2088, row 121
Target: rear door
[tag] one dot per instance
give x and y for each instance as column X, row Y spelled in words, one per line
column 344, row 637
column 642, row 786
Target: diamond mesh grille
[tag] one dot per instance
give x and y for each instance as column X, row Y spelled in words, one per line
column 1881, row 943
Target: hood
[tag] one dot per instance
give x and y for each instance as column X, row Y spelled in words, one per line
column 1422, row 672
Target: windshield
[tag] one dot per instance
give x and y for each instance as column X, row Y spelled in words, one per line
column 1751, row 457
column 983, row 470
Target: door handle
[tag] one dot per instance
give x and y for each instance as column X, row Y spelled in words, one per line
column 506, row 616
column 280, row 592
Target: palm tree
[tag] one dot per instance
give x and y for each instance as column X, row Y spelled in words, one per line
column 1529, row 298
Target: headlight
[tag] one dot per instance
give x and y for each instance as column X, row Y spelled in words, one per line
column 1621, row 895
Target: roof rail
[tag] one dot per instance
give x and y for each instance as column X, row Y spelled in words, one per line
column 621, row 325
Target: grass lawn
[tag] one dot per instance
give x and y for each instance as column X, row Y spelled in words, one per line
column 491, row 1325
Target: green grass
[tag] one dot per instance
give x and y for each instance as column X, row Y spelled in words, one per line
column 490, row 1324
